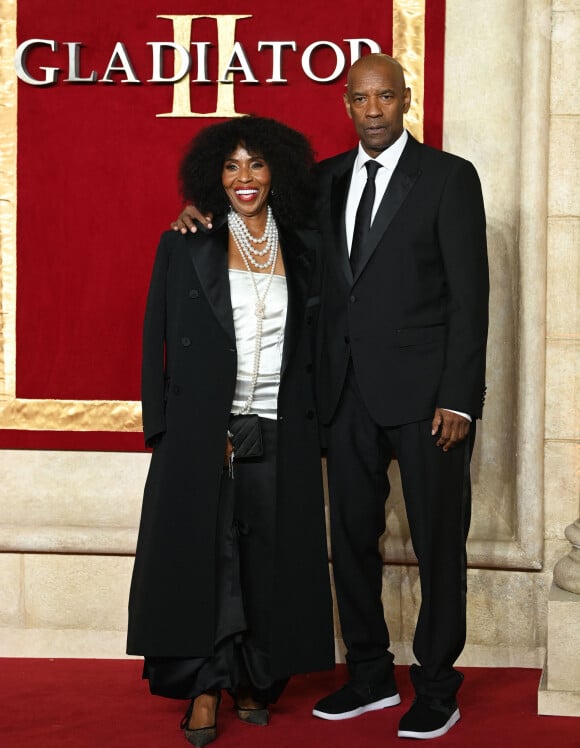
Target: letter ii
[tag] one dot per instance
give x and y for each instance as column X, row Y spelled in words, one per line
column 225, row 106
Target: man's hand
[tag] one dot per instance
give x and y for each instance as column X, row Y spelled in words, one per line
column 187, row 218
column 453, row 428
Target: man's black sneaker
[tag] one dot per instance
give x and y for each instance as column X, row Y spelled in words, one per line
column 428, row 718
column 350, row 701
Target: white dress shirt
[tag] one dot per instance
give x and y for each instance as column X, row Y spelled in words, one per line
column 388, row 160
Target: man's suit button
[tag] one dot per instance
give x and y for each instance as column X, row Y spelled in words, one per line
column 346, row 339
column 193, row 294
column 308, row 368
column 176, row 389
column 280, row 418
column 310, row 414
column 352, row 299
column 185, row 341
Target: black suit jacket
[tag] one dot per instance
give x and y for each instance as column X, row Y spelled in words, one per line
column 414, row 319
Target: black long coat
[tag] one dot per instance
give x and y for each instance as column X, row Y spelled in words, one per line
column 188, row 379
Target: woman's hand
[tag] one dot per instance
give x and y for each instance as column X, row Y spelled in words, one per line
column 229, row 452
column 186, row 220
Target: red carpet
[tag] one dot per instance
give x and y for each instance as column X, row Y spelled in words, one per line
column 104, row 704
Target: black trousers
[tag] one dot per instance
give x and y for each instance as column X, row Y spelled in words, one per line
column 245, row 552
column 437, row 492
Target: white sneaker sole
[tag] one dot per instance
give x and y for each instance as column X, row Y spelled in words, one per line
column 372, row 707
column 455, row 717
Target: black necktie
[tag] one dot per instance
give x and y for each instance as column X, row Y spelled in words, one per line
column 362, row 223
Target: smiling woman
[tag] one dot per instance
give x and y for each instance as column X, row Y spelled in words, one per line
column 219, row 599
column 246, row 179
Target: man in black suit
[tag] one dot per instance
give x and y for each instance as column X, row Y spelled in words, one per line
column 401, row 373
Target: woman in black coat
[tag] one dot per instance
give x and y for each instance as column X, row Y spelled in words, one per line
column 230, row 589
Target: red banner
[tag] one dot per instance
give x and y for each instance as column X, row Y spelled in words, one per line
column 100, row 131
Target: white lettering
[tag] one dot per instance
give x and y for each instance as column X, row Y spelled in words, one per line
column 233, row 63
column 20, row 63
column 356, row 46
column 340, row 61
column 277, row 59
column 181, row 54
column 120, row 53
column 74, row 49
column 243, row 67
column 201, row 48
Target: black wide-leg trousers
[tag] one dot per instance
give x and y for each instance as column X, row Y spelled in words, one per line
column 437, row 492
column 244, row 562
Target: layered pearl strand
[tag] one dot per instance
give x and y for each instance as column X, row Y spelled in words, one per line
column 244, row 240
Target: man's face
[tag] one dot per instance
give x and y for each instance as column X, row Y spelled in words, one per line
column 376, row 100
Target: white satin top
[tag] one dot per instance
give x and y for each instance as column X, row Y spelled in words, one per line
column 243, row 297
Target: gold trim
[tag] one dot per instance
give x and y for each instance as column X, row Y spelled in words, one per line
column 71, row 415
column 117, row 415
column 409, row 49
column 8, row 142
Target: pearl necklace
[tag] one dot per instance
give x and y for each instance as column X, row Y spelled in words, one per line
column 259, row 310
column 245, row 240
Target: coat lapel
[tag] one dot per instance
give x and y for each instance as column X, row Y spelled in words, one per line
column 209, row 254
column 298, row 265
column 339, row 193
column 401, row 183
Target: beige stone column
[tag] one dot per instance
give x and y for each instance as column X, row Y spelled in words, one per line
column 559, row 691
column 560, row 687
column 567, row 570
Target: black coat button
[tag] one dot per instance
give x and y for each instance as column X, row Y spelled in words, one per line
column 346, row 339
column 308, row 368
column 193, row 294
column 352, row 299
column 310, row 414
column 185, row 341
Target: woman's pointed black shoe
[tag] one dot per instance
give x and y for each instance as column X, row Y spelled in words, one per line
column 200, row 736
column 253, row 715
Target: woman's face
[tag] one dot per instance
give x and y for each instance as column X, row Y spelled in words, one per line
column 246, row 179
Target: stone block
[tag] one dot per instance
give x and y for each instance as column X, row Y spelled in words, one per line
column 78, row 643
column 565, row 89
column 76, row 592
column 563, row 661
column 558, row 703
column 11, row 608
column 563, row 186
column 562, row 401
column 563, row 279
column 505, row 609
column 102, row 489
